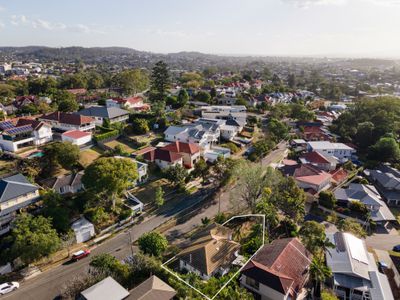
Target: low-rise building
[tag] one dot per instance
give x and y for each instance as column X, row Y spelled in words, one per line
column 65, row 184
column 77, row 137
column 212, row 252
column 24, row 133
column 62, row 121
column 370, row 197
column 152, row 288
column 107, row 289
column 83, row 229
column 102, row 113
column 354, row 271
column 340, row 151
column 279, row 271
column 309, row 177
column 16, row 192
column 387, row 181
column 319, row 160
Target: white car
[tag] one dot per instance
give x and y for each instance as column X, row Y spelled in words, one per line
column 8, row 287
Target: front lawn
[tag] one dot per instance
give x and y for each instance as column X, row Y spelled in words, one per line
column 146, row 193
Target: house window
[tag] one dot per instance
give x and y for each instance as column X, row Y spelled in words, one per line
column 252, row 283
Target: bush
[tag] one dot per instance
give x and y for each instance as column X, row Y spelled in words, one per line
column 105, row 136
column 231, row 146
column 97, row 215
column 358, row 207
column 327, row 199
column 140, row 126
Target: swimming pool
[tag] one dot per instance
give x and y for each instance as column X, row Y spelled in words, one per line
column 36, row 154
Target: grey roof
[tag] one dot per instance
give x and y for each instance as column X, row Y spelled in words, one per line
column 152, row 289
column 386, row 176
column 64, row 180
column 15, row 186
column 173, row 130
column 368, row 195
column 107, row 289
column 103, row 112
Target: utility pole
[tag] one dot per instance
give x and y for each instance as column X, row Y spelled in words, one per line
column 130, row 242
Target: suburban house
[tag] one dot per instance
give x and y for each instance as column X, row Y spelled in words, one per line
column 354, row 271
column 314, row 133
column 62, row 121
column 83, row 229
column 65, row 184
column 237, row 113
column 77, row 137
column 24, row 133
column 163, row 158
column 133, row 103
column 338, row 150
column 309, row 177
column 211, row 252
column 278, row 271
column 298, row 145
column 227, row 100
column 319, row 160
column 16, row 192
column 368, row 195
column 387, row 181
column 190, row 152
column 107, row 289
column 202, row 132
column 152, row 288
column 101, row 113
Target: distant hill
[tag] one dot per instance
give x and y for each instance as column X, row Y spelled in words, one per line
column 127, row 57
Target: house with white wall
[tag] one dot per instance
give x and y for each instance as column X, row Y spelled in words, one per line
column 338, row 150
column 62, row 121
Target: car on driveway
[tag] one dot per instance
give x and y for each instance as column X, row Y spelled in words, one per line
column 80, row 254
column 8, row 287
column 396, row 248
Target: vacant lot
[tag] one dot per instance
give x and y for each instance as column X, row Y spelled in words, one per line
column 124, row 146
column 88, row 156
column 146, row 193
column 6, row 166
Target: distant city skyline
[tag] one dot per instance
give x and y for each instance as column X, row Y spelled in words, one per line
column 333, row 28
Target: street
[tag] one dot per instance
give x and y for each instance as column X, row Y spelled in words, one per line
column 47, row 285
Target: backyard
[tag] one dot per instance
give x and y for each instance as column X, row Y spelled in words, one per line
column 89, row 155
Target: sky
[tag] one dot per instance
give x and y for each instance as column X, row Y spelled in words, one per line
column 365, row 28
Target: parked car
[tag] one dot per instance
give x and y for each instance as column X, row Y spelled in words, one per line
column 396, row 248
column 8, row 287
column 80, row 254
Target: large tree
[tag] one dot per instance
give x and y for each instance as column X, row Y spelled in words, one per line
column 385, row 150
column 131, row 81
column 55, row 208
column 63, row 154
column 251, row 183
column 160, row 81
column 153, row 243
column 176, row 175
column 68, row 105
column 110, row 176
column 290, row 199
column 33, row 238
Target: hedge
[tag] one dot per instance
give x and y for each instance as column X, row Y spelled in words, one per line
column 105, row 136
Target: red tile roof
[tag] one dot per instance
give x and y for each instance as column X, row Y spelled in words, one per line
column 77, row 91
column 315, row 157
column 144, row 151
column 76, row 134
column 281, row 265
column 309, row 174
column 162, row 154
column 180, row 147
column 68, row 118
column 339, row 175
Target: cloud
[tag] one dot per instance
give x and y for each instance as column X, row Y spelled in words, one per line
column 2, row 8
column 308, row 3
column 385, row 2
column 22, row 20
column 2, row 25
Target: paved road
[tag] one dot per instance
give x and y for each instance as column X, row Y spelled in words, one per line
column 48, row 284
column 275, row 156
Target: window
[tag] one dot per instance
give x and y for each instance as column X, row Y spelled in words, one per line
column 252, row 283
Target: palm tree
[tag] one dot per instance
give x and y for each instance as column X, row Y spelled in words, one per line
column 319, row 272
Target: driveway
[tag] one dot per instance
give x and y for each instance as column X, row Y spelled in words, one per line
column 384, row 241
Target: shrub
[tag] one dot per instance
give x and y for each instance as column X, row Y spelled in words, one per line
column 231, row 146
column 327, row 199
column 105, row 136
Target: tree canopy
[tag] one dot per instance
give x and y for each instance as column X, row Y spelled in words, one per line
column 110, row 176
column 33, row 237
column 153, row 243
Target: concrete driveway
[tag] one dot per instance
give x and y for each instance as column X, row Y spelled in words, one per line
column 383, row 241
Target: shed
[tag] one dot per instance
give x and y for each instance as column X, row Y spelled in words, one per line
column 77, row 137
column 107, row 289
column 84, row 230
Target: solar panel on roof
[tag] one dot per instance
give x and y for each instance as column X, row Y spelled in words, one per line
column 20, row 129
column 6, row 125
